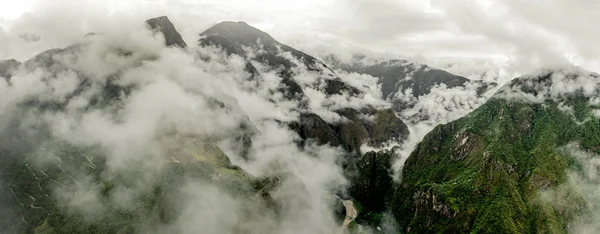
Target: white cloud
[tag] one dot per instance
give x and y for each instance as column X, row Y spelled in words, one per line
column 560, row 84
column 522, row 34
column 172, row 91
column 578, row 195
column 207, row 209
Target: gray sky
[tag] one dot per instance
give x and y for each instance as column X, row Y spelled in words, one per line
column 516, row 34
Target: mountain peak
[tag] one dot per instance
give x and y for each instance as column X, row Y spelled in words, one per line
column 242, row 33
column 164, row 25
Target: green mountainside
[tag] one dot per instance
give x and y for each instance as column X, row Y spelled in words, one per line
column 484, row 173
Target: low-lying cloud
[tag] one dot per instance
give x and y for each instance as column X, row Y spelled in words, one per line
column 160, row 92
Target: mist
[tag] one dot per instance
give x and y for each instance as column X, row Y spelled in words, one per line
column 131, row 113
column 163, row 94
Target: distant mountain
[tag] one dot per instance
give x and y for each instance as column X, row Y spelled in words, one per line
column 404, row 83
column 399, row 75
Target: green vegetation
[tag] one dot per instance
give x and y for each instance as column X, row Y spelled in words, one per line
column 483, row 173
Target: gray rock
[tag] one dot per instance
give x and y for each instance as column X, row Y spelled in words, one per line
column 163, row 24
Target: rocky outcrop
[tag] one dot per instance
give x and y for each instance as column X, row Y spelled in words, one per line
column 163, row 25
column 355, row 131
column 313, row 127
column 373, row 180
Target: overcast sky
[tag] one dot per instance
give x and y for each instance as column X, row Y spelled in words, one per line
column 521, row 34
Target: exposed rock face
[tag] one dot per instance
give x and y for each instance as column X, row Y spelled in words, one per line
column 373, row 181
column 484, row 172
column 312, row 126
column 386, row 127
column 353, row 133
column 163, row 24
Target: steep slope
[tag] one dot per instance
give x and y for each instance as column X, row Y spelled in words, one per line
column 248, row 42
column 486, row 172
column 167, row 29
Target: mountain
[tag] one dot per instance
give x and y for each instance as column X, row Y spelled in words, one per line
column 399, row 75
column 248, row 42
column 109, row 138
column 39, row 196
column 516, row 164
column 407, row 85
column 243, row 134
column 256, row 46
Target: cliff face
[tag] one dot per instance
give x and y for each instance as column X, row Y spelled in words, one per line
column 163, row 25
